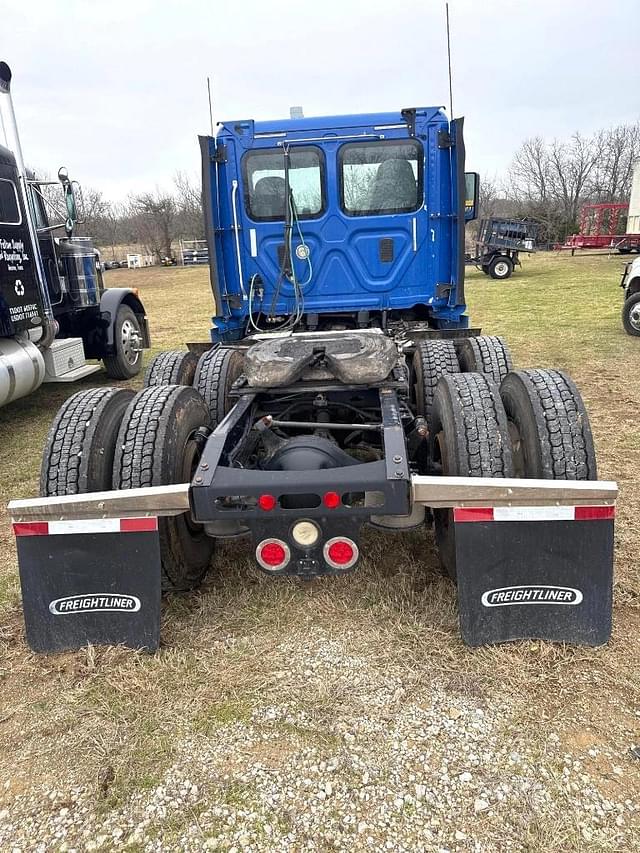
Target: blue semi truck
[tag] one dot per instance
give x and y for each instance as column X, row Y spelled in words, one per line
column 343, row 386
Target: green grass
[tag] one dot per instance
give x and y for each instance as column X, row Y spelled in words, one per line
column 556, row 308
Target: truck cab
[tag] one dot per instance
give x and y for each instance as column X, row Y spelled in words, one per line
column 21, row 308
column 350, row 221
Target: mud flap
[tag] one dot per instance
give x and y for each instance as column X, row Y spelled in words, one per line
column 91, row 581
column 535, row 572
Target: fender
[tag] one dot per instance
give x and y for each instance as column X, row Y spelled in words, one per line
column 111, row 300
column 632, row 287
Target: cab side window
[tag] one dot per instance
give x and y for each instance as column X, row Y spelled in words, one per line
column 9, row 207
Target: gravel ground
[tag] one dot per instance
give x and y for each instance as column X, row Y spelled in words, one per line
column 397, row 768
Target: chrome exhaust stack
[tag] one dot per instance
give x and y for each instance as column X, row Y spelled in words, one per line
column 8, row 116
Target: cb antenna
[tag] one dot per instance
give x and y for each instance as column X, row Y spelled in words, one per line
column 210, row 109
column 449, row 61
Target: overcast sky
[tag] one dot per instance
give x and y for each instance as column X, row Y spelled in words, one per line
column 117, row 90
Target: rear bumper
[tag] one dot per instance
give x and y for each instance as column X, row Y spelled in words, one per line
column 536, row 561
column 429, row 491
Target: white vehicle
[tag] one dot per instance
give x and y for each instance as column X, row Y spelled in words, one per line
column 631, row 308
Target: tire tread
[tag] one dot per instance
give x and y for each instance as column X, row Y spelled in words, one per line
column 213, row 379
column 434, row 358
column 481, row 425
column 140, row 461
column 487, row 354
column 65, row 458
column 566, row 441
column 172, row 367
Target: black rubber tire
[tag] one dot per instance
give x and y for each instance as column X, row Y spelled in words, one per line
column 470, row 439
column 498, row 264
column 550, row 431
column 631, row 303
column 173, row 367
column 119, row 366
column 216, row 372
column 485, row 269
column 155, row 448
column 431, row 360
column 78, row 454
column 485, row 354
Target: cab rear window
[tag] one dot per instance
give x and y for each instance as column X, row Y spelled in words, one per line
column 264, row 182
column 381, row 177
column 9, row 207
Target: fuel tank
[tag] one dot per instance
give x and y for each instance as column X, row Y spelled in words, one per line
column 21, row 369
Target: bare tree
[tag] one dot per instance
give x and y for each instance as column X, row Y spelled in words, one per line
column 611, row 178
column 111, row 227
column 550, row 181
column 529, row 172
column 570, row 166
column 359, row 180
column 189, row 207
column 92, row 209
column 153, row 221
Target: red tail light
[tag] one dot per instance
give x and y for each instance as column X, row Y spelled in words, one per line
column 267, row 502
column 340, row 552
column 273, row 554
column 331, row 500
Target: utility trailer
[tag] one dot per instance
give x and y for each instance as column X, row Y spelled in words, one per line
column 601, row 224
column 54, row 309
column 499, row 244
column 342, row 386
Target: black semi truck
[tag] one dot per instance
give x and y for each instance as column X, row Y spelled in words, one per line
column 55, row 312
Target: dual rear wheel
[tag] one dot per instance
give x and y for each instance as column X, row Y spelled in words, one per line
column 492, row 421
column 111, row 438
column 212, row 375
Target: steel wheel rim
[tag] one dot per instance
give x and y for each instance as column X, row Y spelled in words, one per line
column 501, row 268
column 130, row 340
column 634, row 316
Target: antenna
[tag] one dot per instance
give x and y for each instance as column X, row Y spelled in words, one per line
column 210, row 109
column 449, row 61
